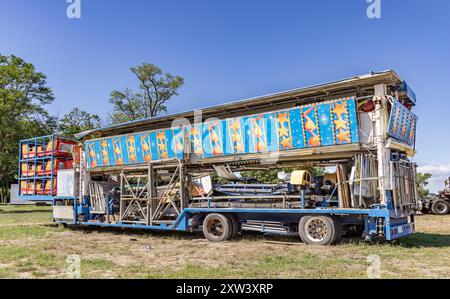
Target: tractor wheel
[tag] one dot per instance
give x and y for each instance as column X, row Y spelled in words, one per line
column 217, row 227
column 318, row 230
column 440, row 207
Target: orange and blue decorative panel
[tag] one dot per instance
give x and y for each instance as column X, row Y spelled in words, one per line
column 213, row 139
column 135, row 148
column 195, row 136
column 323, row 124
column 284, row 130
column 145, row 144
column 235, row 144
column 402, row 124
column 258, row 133
column 314, row 125
column 341, row 122
column 310, row 119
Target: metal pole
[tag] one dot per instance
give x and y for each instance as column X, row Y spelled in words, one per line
column 148, row 196
column 302, row 198
column 383, row 154
column 121, row 193
column 183, row 199
column 361, row 165
column 152, row 191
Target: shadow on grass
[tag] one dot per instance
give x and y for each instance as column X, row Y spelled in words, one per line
column 196, row 235
column 131, row 232
column 417, row 240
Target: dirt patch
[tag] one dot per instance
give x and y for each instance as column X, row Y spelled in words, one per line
column 109, row 253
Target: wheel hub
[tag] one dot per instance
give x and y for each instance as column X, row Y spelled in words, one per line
column 316, row 229
column 215, row 227
column 440, row 207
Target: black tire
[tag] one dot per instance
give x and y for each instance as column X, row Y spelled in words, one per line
column 217, row 227
column 235, row 224
column 440, row 207
column 318, row 230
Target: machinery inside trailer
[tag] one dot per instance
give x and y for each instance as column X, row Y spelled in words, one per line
column 198, row 175
column 158, row 193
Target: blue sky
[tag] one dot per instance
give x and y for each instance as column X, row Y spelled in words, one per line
column 229, row 50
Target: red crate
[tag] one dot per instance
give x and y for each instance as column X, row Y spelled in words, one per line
column 47, row 187
column 68, row 164
column 47, row 169
column 26, row 188
column 27, row 169
column 28, row 151
column 76, row 154
column 62, row 148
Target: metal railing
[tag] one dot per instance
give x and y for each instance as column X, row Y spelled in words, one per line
column 404, row 187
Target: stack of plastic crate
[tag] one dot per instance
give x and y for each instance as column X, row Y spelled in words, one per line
column 40, row 160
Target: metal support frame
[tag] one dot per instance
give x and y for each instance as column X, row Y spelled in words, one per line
column 383, row 153
column 133, row 197
column 404, row 187
column 145, row 200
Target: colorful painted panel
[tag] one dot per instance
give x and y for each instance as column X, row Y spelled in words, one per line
column 135, row 148
column 325, row 121
column 195, row 136
column 353, row 121
column 322, row 124
column 284, row 130
column 146, row 146
column 341, row 122
column 271, row 131
column 296, row 125
column 104, row 152
column 213, row 139
column 178, row 142
column 91, row 155
column 236, row 136
column 311, row 126
column 258, row 133
column 402, row 124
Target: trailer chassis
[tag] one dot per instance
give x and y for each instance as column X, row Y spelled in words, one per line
column 376, row 221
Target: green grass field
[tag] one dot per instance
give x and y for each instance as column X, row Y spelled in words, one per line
column 32, row 247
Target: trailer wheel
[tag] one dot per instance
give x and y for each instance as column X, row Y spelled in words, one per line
column 440, row 207
column 236, row 225
column 217, row 227
column 318, row 230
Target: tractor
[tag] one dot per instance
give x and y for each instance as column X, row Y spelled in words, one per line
column 438, row 204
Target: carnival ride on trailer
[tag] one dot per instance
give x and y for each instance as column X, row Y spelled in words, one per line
column 157, row 173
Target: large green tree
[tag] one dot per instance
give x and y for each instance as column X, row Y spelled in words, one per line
column 23, row 96
column 156, row 88
column 77, row 121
